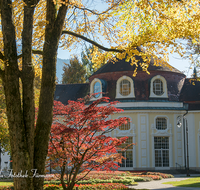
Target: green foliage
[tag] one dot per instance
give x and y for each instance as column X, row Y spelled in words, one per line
column 103, row 186
column 6, row 186
column 139, row 179
column 74, row 73
column 4, row 134
column 52, row 187
column 86, row 59
column 125, row 180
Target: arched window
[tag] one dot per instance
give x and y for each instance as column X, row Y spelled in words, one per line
column 161, row 123
column 125, row 87
column 158, row 87
column 125, row 126
column 97, row 89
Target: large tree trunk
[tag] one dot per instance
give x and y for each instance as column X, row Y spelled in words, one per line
column 20, row 148
column 20, row 113
column 28, row 146
column 45, row 114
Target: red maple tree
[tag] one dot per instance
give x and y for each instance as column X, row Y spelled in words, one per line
column 79, row 140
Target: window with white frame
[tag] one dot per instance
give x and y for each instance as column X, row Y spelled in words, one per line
column 158, row 87
column 128, row 154
column 128, row 162
column 125, row 87
column 96, row 88
column 161, row 123
column 161, row 147
column 125, row 126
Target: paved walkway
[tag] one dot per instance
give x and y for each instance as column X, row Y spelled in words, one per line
column 157, row 184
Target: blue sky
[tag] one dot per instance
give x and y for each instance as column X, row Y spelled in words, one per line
column 174, row 59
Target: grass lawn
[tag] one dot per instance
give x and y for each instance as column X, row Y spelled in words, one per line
column 2, row 184
column 191, row 182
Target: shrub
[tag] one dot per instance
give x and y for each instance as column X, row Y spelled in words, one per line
column 139, row 179
column 7, row 188
column 103, row 186
column 52, row 187
column 112, row 180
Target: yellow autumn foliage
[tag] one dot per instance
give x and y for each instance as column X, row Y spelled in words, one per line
column 154, row 25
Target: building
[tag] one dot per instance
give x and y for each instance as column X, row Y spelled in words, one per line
column 155, row 104
column 4, row 161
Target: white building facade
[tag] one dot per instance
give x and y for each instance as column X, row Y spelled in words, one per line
column 155, row 103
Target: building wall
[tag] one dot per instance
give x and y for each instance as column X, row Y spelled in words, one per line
column 143, row 132
column 142, row 80
column 5, row 161
column 143, row 108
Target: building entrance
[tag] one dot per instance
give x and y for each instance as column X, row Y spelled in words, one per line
column 161, row 147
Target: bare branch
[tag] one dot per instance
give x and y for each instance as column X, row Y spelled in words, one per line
column 91, row 41
column 96, row 13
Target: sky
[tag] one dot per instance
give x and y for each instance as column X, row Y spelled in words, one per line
column 174, row 59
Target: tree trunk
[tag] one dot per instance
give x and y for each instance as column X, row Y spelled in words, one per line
column 62, row 177
column 18, row 139
column 29, row 146
column 52, row 35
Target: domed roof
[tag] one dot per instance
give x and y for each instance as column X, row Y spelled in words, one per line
column 122, row 65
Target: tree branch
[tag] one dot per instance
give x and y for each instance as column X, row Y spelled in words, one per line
column 2, row 57
column 91, row 41
column 96, row 13
column 39, row 52
column 1, row 73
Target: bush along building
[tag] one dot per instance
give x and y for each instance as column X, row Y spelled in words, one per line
column 161, row 106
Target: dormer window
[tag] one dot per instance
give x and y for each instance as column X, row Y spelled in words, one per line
column 158, row 87
column 125, row 88
column 97, row 87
